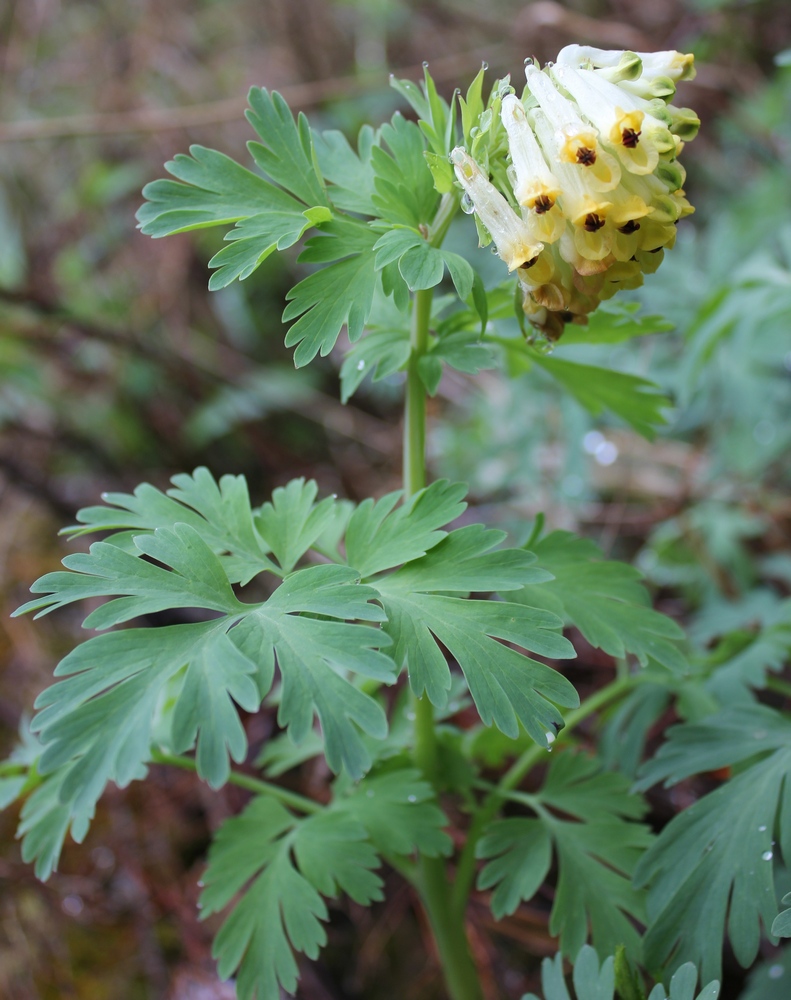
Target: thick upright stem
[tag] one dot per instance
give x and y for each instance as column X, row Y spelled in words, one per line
column 447, row 923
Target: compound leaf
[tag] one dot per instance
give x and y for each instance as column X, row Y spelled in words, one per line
column 712, row 862
column 400, row 813
column 253, row 239
column 605, row 601
column 292, row 521
column 339, row 294
column 592, row 982
column 382, row 352
column 350, row 174
column 195, row 579
column 635, row 400
column 219, row 512
column 379, row 537
column 286, row 152
column 507, row 686
column 595, row 856
column 211, row 190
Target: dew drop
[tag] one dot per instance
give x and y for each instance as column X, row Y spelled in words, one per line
column 767, row 856
column 541, row 345
column 484, row 65
column 762, row 828
column 412, row 798
column 369, row 794
column 360, row 365
column 410, row 716
column 425, row 64
column 760, row 734
column 775, row 971
column 466, row 204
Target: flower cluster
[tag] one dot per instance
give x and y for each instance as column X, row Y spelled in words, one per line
column 594, row 184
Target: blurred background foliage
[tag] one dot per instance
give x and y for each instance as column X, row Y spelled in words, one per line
column 117, row 365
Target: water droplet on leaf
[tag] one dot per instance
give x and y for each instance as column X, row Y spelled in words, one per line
column 360, row 365
column 466, row 204
column 412, row 798
column 762, row 828
column 767, row 856
column 775, row 971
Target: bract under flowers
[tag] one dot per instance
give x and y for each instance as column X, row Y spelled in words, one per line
column 595, row 188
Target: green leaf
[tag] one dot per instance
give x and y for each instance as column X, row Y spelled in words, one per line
column 382, row 352
column 464, row 352
column 595, row 856
column 522, row 852
column 285, row 864
column 420, row 264
column 404, row 187
column 339, row 294
column 400, row 814
column 286, row 153
column 614, row 322
column 220, row 513
column 215, row 190
column 441, row 171
column 195, row 579
column 781, row 925
column 605, row 601
column 350, row 174
column 472, row 106
column 507, row 686
column 380, row 535
column 768, row 980
column 292, row 522
column 316, row 656
column 97, row 724
column 281, row 909
column 44, row 822
column 729, row 737
column 594, row 983
column 254, row 239
column 635, row 400
column 713, row 861
column 623, row 739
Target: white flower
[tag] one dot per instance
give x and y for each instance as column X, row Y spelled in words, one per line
column 512, row 236
column 572, row 139
column 675, row 65
column 603, row 103
column 536, row 186
column 586, row 209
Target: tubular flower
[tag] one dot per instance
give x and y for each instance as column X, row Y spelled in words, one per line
column 594, row 187
column 512, row 236
column 573, row 140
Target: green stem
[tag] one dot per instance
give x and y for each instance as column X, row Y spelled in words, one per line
column 252, row 784
column 465, row 873
column 461, row 976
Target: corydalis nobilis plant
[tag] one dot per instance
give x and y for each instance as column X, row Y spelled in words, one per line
column 588, row 188
column 420, row 660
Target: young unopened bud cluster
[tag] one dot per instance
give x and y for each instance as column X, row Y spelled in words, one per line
column 595, row 184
